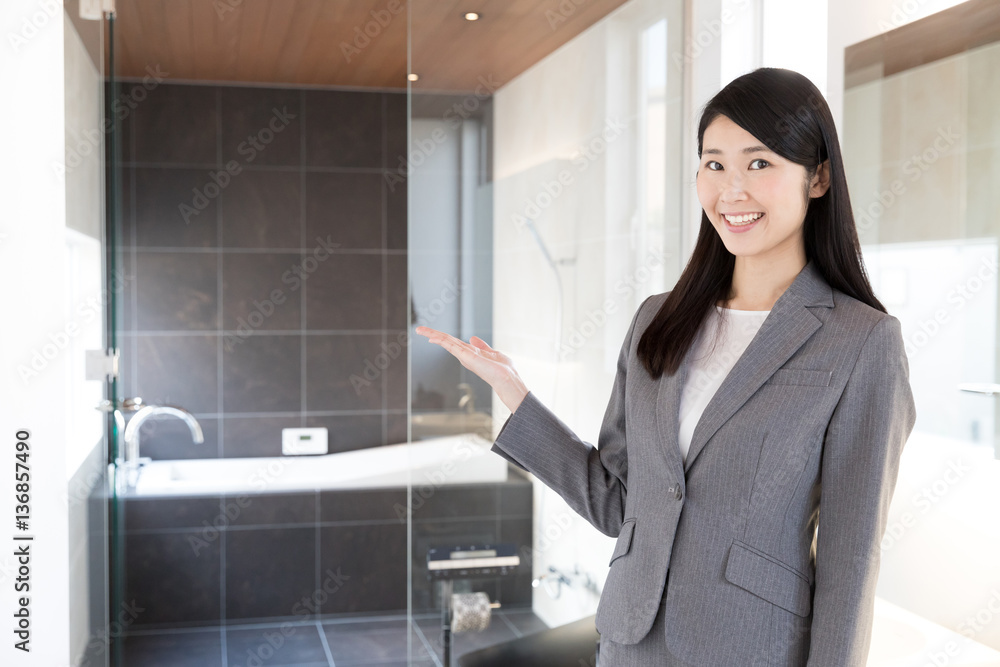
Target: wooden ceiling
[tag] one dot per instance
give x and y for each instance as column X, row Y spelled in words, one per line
column 961, row 28
column 324, row 42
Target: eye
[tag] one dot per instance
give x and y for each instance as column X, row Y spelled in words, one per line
column 763, row 163
column 713, row 165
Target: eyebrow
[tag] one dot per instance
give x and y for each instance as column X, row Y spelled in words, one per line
column 746, row 151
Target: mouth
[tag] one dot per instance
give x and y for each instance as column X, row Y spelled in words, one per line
column 741, row 222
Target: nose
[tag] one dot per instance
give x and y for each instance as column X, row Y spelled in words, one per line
column 732, row 188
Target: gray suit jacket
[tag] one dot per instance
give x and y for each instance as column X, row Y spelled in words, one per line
column 809, row 424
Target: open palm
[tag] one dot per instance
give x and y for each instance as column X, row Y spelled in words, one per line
column 493, row 366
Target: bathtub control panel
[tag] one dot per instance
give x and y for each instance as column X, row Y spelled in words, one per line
column 303, row 441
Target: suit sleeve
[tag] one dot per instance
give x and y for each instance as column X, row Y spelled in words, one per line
column 591, row 481
column 860, row 461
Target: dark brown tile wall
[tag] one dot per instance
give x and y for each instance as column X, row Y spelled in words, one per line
column 258, row 294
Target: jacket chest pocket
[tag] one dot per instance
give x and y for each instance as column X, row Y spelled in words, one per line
column 802, row 377
column 624, row 542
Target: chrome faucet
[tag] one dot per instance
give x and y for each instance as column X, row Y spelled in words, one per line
column 468, row 400
column 131, row 461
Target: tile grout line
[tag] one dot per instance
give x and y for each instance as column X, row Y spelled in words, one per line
column 220, row 370
column 385, row 270
column 426, row 643
column 326, row 645
column 303, row 337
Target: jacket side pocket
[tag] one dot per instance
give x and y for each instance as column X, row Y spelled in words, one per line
column 624, row 540
column 768, row 578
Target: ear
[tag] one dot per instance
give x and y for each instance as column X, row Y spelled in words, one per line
column 820, row 181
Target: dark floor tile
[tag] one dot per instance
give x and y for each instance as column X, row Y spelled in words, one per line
column 262, row 125
column 247, row 437
column 373, row 560
column 255, row 295
column 177, row 291
column 343, row 128
column 375, row 641
column 346, row 207
column 341, row 371
column 176, row 123
column 262, row 209
column 172, row 208
column 525, row 621
column 345, row 292
column 174, row 649
column 173, row 577
column 262, row 374
column 178, row 370
column 465, row 642
column 286, row 644
column 269, row 571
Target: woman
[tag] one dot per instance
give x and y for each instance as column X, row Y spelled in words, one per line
column 754, row 463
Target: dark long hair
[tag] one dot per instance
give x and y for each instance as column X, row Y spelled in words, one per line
column 787, row 113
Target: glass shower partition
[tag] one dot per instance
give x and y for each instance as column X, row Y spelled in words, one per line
column 544, row 206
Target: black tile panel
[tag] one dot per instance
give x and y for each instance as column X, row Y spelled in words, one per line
column 263, row 209
column 247, row 437
column 269, row 571
column 257, row 293
column 387, row 504
column 343, row 129
column 346, row 207
column 345, row 292
column 173, row 208
column 197, row 648
column 269, row 509
column 175, row 123
column 262, row 125
column 173, row 577
column 287, row 645
column 178, row 370
column 338, row 372
column 373, row 557
column 174, row 512
column 177, row 291
column 349, row 432
column 262, row 374
column 373, row 641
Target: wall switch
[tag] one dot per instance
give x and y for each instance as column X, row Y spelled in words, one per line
column 303, row 441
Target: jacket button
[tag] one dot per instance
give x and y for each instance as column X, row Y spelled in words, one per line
column 677, row 493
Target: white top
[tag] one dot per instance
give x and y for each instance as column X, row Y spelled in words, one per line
column 709, row 367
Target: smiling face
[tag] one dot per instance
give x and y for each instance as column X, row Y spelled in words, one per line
column 755, row 199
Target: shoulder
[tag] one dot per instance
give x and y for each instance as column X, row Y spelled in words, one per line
column 648, row 309
column 850, row 316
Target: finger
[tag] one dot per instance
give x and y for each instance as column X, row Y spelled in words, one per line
column 480, row 343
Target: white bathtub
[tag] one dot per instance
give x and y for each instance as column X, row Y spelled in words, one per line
column 460, row 459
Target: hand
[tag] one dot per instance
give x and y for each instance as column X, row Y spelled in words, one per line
column 493, row 366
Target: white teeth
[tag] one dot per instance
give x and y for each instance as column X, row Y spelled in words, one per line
column 742, row 219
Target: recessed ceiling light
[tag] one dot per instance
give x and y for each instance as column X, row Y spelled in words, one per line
column 412, row 77
column 471, row 16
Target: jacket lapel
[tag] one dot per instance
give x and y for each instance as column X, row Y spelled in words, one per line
column 787, row 327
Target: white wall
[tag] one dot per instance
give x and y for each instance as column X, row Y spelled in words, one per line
column 33, row 227
column 50, row 254
column 577, row 141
